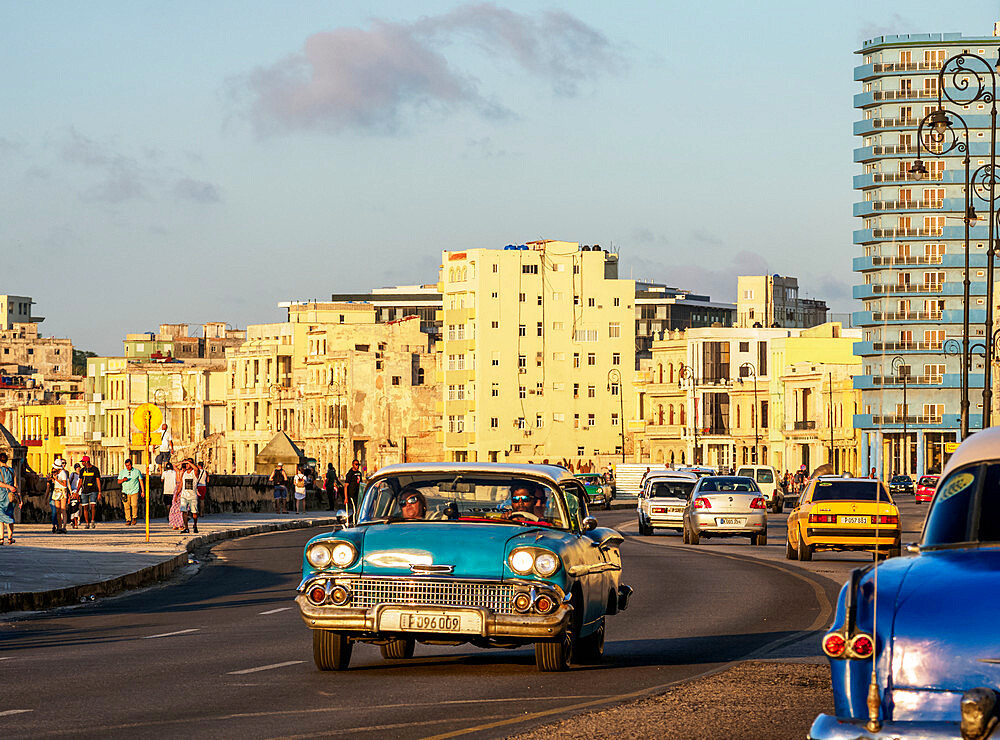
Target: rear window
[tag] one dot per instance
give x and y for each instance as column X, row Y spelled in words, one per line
column 900, row 479
column 952, row 518
column 927, row 481
column 745, row 485
column 850, row 490
column 672, row 489
column 765, row 476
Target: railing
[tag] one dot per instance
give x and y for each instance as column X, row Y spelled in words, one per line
column 905, row 66
column 895, row 149
column 895, row 380
column 896, row 419
column 892, row 122
column 801, row 425
column 906, row 315
column 905, row 176
column 889, row 205
column 903, row 94
column 907, row 288
column 896, row 232
column 906, row 259
column 918, row 346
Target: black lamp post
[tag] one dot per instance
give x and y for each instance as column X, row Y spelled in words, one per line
column 615, row 380
column 973, row 80
column 902, row 371
column 685, row 372
column 749, row 368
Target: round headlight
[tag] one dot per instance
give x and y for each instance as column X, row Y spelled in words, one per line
column 600, row 490
column 318, row 555
column 546, row 564
column 343, row 554
column 521, row 561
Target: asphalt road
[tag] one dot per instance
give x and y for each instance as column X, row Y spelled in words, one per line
column 223, row 652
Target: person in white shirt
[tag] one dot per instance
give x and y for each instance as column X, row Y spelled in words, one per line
column 60, row 493
column 166, row 447
column 189, row 493
column 300, row 481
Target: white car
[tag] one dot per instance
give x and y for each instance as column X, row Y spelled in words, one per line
column 662, row 501
column 766, row 478
column 725, row 506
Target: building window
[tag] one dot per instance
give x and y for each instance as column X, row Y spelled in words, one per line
column 558, row 416
column 576, row 359
column 618, row 301
column 591, row 420
column 591, row 358
column 614, row 419
column 495, row 390
column 576, row 390
column 614, row 330
column 616, row 358
column 591, row 302
column 521, row 331
column 538, row 329
column 615, row 389
column 522, row 361
column 522, row 392
column 538, row 421
column 521, row 423
column 520, row 297
column 494, row 422
column 495, row 359
column 591, row 391
column 529, row 269
column 496, row 267
column 495, row 325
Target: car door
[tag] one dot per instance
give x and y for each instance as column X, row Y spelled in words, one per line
column 590, row 560
column 799, row 516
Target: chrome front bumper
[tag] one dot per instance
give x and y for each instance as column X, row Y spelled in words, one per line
column 827, row 727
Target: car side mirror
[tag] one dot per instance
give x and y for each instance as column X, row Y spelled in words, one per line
column 341, row 516
column 912, row 548
column 589, row 523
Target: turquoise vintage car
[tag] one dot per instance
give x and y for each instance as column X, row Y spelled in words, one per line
column 598, row 491
column 491, row 554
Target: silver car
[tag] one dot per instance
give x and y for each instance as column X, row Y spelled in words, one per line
column 662, row 501
column 726, row 506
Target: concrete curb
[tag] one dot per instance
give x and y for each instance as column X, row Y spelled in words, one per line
column 37, row 600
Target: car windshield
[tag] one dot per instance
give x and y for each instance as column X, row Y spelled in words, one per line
column 850, row 490
column 590, row 480
column 745, row 485
column 928, row 481
column 671, row 489
column 953, row 515
column 469, row 497
column 900, row 479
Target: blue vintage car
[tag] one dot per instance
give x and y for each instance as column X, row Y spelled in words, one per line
column 929, row 620
column 490, row 554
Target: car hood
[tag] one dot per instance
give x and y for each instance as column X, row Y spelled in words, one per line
column 944, row 632
column 475, row 550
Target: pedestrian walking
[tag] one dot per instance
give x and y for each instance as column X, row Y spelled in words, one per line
column 353, row 483
column 280, row 481
column 90, row 492
column 301, row 481
column 8, row 501
column 332, row 486
column 172, row 495
column 74, row 496
column 202, row 489
column 131, row 480
column 166, row 448
column 60, row 492
column 189, row 494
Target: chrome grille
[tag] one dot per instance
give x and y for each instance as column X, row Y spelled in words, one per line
column 370, row 592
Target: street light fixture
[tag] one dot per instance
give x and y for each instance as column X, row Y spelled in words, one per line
column 972, row 79
column 686, row 372
column 615, row 380
column 752, row 371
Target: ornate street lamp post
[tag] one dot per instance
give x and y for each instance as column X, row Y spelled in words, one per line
column 901, row 370
column 684, row 373
column 615, row 380
column 973, row 80
column 751, row 370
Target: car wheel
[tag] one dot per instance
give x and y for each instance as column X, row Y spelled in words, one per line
column 758, row 539
column 591, row 648
column 693, row 537
column 684, row 535
column 331, row 650
column 397, row 649
column 557, row 655
column 805, row 552
column 790, row 552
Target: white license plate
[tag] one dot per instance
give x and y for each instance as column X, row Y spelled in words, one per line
column 730, row 521
column 854, row 520
column 402, row 620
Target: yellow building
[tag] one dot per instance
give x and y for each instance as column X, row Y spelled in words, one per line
column 41, row 428
column 538, row 353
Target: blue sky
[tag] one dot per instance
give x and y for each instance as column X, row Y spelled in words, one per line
column 168, row 162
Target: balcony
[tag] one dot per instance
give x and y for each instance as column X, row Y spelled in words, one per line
column 897, row 233
column 906, row 67
column 900, row 419
column 919, row 94
column 907, row 288
column 892, row 122
column 907, row 346
column 906, row 259
column 879, row 316
column 803, row 425
column 895, row 381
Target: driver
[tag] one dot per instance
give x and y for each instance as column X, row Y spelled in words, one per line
column 412, row 503
column 526, row 498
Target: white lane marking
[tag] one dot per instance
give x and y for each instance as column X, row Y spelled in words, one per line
column 265, row 667
column 275, row 611
column 9, row 657
column 15, row 711
column 170, row 634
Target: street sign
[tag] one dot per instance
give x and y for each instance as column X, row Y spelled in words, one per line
column 147, row 418
column 950, row 447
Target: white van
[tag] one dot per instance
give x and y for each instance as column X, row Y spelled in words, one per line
column 767, row 481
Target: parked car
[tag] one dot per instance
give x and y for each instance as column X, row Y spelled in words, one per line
column 492, row 554
column 837, row 513
column 700, row 470
column 927, row 620
column 598, row 492
column 899, row 484
column 725, row 506
column 925, row 488
column 662, row 501
column 767, row 481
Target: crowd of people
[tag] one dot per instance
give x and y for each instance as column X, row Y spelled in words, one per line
column 339, row 494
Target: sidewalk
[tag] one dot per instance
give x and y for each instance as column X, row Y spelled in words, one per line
column 42, row 570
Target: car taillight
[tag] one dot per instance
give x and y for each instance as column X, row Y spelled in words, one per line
column 822, row 518
column 862, row 646
column 702, row 503
column 758, row 503
column 887, row 519
column 834, row 645
column 659, row 510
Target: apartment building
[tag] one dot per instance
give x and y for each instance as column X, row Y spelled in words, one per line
column 538, row 353
column 773, row 301
column 911, row 254
column 336, row 381
column 175, row 341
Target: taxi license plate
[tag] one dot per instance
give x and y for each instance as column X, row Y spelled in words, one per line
column 730, row 521
column 402, row 620
column 854, row 520
column 674, row 510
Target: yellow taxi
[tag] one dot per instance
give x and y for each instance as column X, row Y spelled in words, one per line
column 836, row 513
